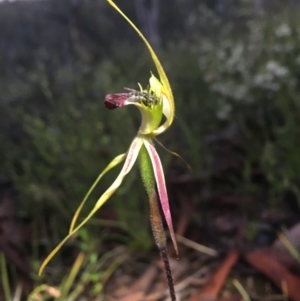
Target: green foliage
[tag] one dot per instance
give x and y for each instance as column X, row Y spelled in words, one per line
column 255, row 80
column 56, row 135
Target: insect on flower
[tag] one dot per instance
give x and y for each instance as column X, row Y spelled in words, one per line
column 146, row 98
column 156, row 105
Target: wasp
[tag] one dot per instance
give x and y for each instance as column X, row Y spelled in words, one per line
column 148, row 99
column 145, row 97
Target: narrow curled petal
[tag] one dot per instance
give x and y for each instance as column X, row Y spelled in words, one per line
column 117, row 160
column 166, row 88
column 161, row 187
column 130, row 160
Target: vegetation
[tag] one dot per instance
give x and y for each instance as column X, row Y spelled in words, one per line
column 235, row 78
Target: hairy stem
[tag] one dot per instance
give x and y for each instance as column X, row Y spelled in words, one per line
column 155, row 216
column 156, row 222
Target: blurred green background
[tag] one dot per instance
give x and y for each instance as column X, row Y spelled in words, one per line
column 235, row 71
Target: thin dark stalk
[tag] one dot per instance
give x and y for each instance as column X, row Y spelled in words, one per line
column 165, row 258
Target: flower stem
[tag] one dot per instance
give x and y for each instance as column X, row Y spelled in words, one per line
column 160, row 240
column 156, row 222
column 155, row 216
column 164, row 255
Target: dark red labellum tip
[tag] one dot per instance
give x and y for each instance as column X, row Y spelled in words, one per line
column 114, row 101
column 110, row 106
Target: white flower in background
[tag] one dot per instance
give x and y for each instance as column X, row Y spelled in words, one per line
column 265, row 81
column 276, row 69
column 283, row 30
column 270, row 76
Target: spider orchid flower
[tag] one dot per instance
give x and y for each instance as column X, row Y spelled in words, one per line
column 156, row 105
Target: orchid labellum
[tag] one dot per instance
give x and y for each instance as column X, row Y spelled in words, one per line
column 156, row 105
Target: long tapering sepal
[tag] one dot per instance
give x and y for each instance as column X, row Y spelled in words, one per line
column 131, row 157
column 117, row 160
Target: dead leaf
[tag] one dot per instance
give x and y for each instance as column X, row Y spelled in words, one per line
column 211, row 289
column 263, row 261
